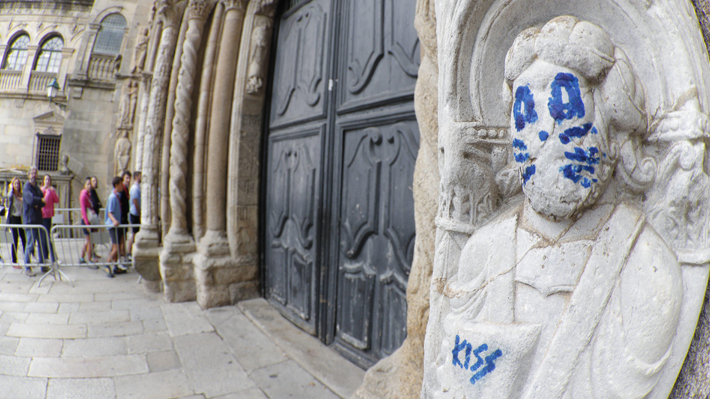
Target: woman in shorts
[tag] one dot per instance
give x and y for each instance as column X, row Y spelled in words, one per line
column 85, row 202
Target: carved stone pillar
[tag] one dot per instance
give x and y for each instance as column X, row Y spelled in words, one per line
column 176, row 258
column 214, row 266
column 27, row 71
column 203, row 108
column 81, row 67
column 167, row 133
column 244, row 143
column 145, row 252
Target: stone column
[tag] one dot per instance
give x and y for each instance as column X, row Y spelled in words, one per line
column 203, row 107
column 244, row 148
column 81, row 67
column 29, row 64
column 146, row 251
column 213, row 265
column 145, row 91
column 167, row 134
column 62, row 75
column 176, row 258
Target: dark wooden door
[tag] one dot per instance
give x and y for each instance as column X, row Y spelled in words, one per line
column 342, row 141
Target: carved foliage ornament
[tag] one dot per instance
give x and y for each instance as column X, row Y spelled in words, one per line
column 240, row 5
column 577, row 291
column 199, row 9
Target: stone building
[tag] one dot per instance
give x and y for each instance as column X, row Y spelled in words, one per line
column 290, row 149
column 85, row 47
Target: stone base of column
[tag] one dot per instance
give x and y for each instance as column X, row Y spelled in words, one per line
column 145, row 257
column 176, row 268
column 222, row 279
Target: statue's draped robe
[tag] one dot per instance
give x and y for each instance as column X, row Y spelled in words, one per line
column 588, row 314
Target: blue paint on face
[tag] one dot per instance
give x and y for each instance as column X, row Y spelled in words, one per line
column 524, row 107
column 565, row 110
column 519, row 144
column 584, row 161
column 521, row 157
column 527, row 174
column 575, row 132
column 543, row 135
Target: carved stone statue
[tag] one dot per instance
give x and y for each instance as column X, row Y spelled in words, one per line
column 127, row 107
column 259, row 52
column 570, row 292
column 63, row 165
column 140, row 52
column 122, row 152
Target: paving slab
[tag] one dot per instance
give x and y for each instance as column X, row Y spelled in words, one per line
column 211, row 367
column 185, row 318
column 326, row 365
column 81, row 388
column 13, row 317
column 100, row 317
column 44, row 307
column 164, row 385
column 154, row 325
column 252, row 348
column 145, row 343
column 14, row 365
column 47, row 318
column 42, row 331
column 120, row 329
column 95, row 347
column 39, row 347
column 8, row 345
column 88, row 367
column 254, row 393
column 23, row 387
column 162, row 361
column 289, row 380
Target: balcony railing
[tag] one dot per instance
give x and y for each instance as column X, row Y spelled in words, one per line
column 10, row 80
column 101, row 67
column 40, row 80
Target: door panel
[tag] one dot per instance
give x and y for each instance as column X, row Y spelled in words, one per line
column 301, row 65
column 380, row 53
column 376, row 236
column 292, row 194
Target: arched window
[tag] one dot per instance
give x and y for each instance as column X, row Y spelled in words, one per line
column 110, row 36
column 50, row 55
column 17, row 54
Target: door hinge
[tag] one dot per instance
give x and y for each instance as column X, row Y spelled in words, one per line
column 331, row 84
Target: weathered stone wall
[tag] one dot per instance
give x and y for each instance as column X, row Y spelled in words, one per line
column 694, row 379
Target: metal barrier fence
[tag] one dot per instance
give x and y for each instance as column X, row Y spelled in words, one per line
column 66, row 246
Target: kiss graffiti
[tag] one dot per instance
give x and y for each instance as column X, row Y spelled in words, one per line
column 489, row 360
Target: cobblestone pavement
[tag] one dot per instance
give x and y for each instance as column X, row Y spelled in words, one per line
column 108, row 338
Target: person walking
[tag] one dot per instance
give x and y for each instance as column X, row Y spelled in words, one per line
column 113, row 219
column 50, row 199
column 134, row 215
column 124, row 199
column 96, row 206
column 86, row 210
column 14, row 216
column 32, row 204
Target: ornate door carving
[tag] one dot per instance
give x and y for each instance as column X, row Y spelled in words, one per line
column 342, row 144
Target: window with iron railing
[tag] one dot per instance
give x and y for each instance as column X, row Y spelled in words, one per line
column 47, row 152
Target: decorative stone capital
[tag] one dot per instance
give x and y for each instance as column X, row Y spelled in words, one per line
column 199, row 9
column 266, row 7
column 240, row 5
column 166, row 12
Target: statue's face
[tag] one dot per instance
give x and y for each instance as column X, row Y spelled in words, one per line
column 556, row 141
